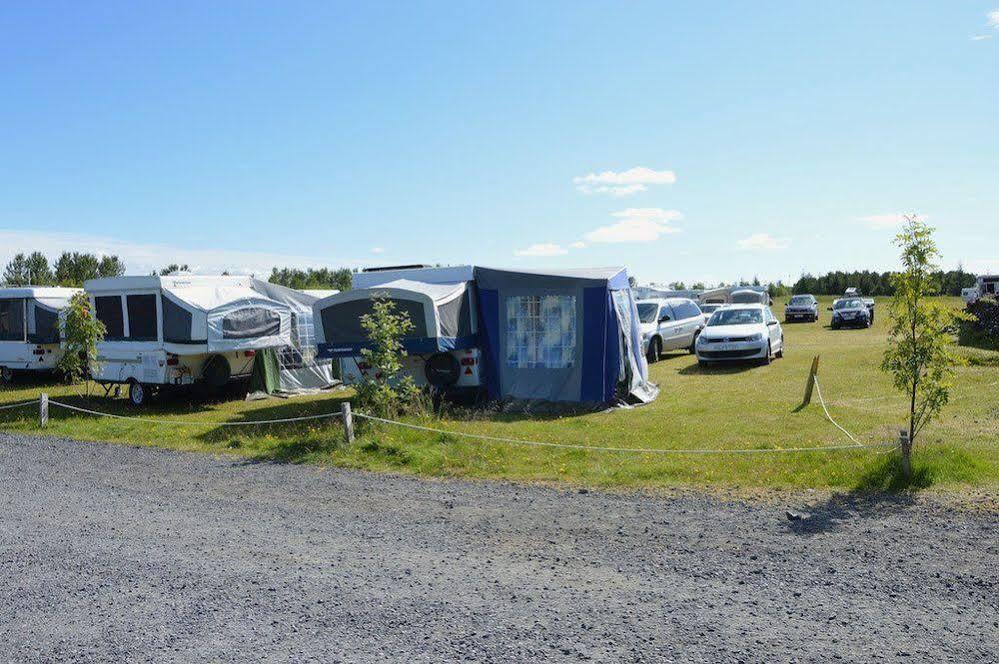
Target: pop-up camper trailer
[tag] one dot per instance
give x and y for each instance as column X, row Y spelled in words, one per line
column 563, row 336
column 182, row 330
column 29, row 328
column 441, row 347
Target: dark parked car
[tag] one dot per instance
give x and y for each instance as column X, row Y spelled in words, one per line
column 802, row 307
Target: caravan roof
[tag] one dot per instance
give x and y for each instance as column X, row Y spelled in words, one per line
column 38, row 292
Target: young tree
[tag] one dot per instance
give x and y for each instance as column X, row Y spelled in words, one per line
column 383, row 390
column 81, row 332
column 920, row 354
column 174, row 268
column 39, row 272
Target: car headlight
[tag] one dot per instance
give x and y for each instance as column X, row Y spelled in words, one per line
column 756, row 337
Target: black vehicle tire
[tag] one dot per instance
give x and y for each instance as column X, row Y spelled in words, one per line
column 693, row 344
column 655, row 350
column 138, row 394
column 780, row 353
column 6, row 375
column 442, row 370
column 216, row 372
column 704, row 364
column 769, row 357
column 834, row 326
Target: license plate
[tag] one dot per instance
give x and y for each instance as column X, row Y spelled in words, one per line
column 726, row 346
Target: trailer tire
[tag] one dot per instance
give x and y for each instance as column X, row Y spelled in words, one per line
column 441, row 370
column 216, row 372
column 138, row 394
column 6, row 375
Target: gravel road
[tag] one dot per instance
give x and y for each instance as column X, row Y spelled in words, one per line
column 115, row 553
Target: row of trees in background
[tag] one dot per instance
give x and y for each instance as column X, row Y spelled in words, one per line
column 315, row 279
column 70, row 269
column 948, row 282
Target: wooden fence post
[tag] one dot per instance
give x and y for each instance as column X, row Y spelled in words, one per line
column 43, row 410
column 348, row 421
column 811, row 381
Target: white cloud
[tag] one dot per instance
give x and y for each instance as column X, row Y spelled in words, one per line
column 993, row 17
column 377, row 250
column 764, row 242
column 886, row 220
column 981, row 37
column 543, row 249
column 622, row 183
column 143, row 258
column 577, row 245
column 636, row 225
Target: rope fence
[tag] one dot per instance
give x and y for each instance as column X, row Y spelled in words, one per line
column 347, row 416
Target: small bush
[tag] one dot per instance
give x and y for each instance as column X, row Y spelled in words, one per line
column 81, row 332
column 985, row 315
column 384, row 391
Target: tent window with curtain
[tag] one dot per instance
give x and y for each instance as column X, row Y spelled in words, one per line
column 541, row 331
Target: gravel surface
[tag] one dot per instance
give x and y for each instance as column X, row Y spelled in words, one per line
column 115, row 553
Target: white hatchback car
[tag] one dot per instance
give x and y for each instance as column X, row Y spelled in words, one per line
column 668, row 324
column 740, row 332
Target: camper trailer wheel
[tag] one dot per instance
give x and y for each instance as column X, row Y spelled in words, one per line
column 442, row 370
column 138, row 393
column 216, row 372
column 6, row 375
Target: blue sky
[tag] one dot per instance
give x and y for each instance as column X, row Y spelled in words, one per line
column 688, row 141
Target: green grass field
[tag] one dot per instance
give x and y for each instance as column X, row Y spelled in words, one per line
column 736, row 407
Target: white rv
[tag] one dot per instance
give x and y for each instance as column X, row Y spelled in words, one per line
column 441, row 348
column 181, row 330
column 29, row 328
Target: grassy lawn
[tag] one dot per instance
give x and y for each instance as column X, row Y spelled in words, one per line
column 728, row 407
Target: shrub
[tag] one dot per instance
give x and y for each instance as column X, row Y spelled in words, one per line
column 384, row 391
column 985, row 316
column 81, row 332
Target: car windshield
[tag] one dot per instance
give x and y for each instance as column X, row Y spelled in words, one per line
column 647, row 312
column 735, row 317
column 852, row 303
column 801, row 299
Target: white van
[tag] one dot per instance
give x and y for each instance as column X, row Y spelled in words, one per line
column 668, row 324
column 29, row 328
column 181, row 330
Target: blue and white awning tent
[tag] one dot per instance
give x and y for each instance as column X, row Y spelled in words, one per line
column 568, row 335
column 562, row 336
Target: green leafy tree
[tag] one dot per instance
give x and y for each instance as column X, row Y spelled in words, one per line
column 110, row 266
column 39, row 272
column 16, row 272
column 919, row 357
column 384, row 390
column 174, row 268
column 81, row 332
column 74, row 268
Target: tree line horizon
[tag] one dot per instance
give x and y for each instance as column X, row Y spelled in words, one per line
column 72, row 269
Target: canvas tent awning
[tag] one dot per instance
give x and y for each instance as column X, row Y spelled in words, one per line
column 442, row 316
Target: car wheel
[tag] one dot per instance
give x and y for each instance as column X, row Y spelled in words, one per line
column 655, row 350
column 138, row 394
column 693, row 344
column 704, row 364
column 6, row 375
column 769, row 357
column 780, row 353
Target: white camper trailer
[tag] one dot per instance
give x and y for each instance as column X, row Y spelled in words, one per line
column 181, row 330
column 29, row 328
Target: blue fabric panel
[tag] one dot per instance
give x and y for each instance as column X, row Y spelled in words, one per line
column 420, row 346
column 489, row 340
column 595, row 347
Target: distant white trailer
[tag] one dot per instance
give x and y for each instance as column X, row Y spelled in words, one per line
column 29, row 328
column 182, row 330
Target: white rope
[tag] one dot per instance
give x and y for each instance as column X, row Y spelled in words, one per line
column 595, row 448
column 191, row 423
column 19, row 405
column 822, row 401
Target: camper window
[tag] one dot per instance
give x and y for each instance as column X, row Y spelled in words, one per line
column 541, row 331
column 11, row 320
column 109, row 312
column 176, row 323
column 142, row 319
column 251, row 322
column 46, row 326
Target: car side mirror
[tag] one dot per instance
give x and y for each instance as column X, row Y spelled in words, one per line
column 773, row 322
column 664, row 319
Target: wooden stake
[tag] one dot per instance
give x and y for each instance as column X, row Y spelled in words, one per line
column 811, row 381
column 348, row 421
column 43, row 410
